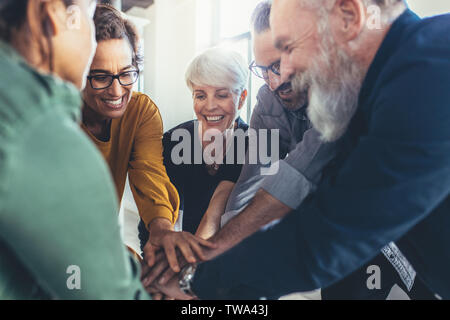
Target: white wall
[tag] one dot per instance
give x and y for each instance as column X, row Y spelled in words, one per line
column 170, row 44
column 177, row 30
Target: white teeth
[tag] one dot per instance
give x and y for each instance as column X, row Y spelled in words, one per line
column 216, row 118
column 114, row 102
column 286, row 91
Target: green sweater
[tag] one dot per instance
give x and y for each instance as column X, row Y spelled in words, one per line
column 59, row 231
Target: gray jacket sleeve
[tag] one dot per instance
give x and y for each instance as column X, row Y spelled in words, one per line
column 249, row 182
column 289, row 180
column 297, row 175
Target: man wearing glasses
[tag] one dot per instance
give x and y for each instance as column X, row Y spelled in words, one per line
column 126, row 126
column 304, row 159
column 278, row 107
column 302, row 152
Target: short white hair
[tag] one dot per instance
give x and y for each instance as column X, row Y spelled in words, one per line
column 218, row 67
column 389, row 9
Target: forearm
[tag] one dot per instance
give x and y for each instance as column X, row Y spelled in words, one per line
column 210, row 222
column 222, row 278
column 262, row 210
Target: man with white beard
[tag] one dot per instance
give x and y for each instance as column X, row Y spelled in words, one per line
column 307, row 157
column 382, row 89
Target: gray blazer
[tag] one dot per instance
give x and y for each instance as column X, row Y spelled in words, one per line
column 303, row 156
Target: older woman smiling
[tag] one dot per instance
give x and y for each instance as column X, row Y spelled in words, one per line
column 217, row 79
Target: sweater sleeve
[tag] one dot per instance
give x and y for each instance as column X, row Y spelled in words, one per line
column 155, row 195
column 60, row 215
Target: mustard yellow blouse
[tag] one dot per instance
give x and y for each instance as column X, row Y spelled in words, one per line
column 135, row 147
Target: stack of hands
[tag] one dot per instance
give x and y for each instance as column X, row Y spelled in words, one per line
column 165, row 255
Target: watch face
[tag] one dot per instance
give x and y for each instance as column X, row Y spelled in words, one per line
column 186, row 277
column 190, row 271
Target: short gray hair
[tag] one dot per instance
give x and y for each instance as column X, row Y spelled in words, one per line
column 261, row 16
column 384, row 5
column 389, row 9
column 380, row 3
column 218, row 67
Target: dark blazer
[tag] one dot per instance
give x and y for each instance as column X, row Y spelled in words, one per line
column 391, row 182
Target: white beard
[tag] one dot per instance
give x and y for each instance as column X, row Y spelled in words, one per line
column 334, row 81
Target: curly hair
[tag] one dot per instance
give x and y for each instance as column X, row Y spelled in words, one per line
column 111, row 24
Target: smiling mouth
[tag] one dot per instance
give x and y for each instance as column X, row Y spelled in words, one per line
column 285, row 92
column 285, row 89
column 114, row 104
column 214, row 119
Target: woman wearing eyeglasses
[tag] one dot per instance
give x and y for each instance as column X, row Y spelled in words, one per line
column 127, row 127
column 204, row 157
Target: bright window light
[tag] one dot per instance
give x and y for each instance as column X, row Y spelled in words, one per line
column 235, row 16
column 234, row 20
column 205, row 23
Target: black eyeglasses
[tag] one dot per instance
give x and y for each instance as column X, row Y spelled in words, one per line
column 262, row 72
column 104, row 81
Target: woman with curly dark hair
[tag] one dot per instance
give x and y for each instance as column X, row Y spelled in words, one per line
column 127, row 128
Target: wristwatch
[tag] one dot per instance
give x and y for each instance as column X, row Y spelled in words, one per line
column 186, row 277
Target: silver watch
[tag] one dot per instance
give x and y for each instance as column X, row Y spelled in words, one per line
column 185, row 278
